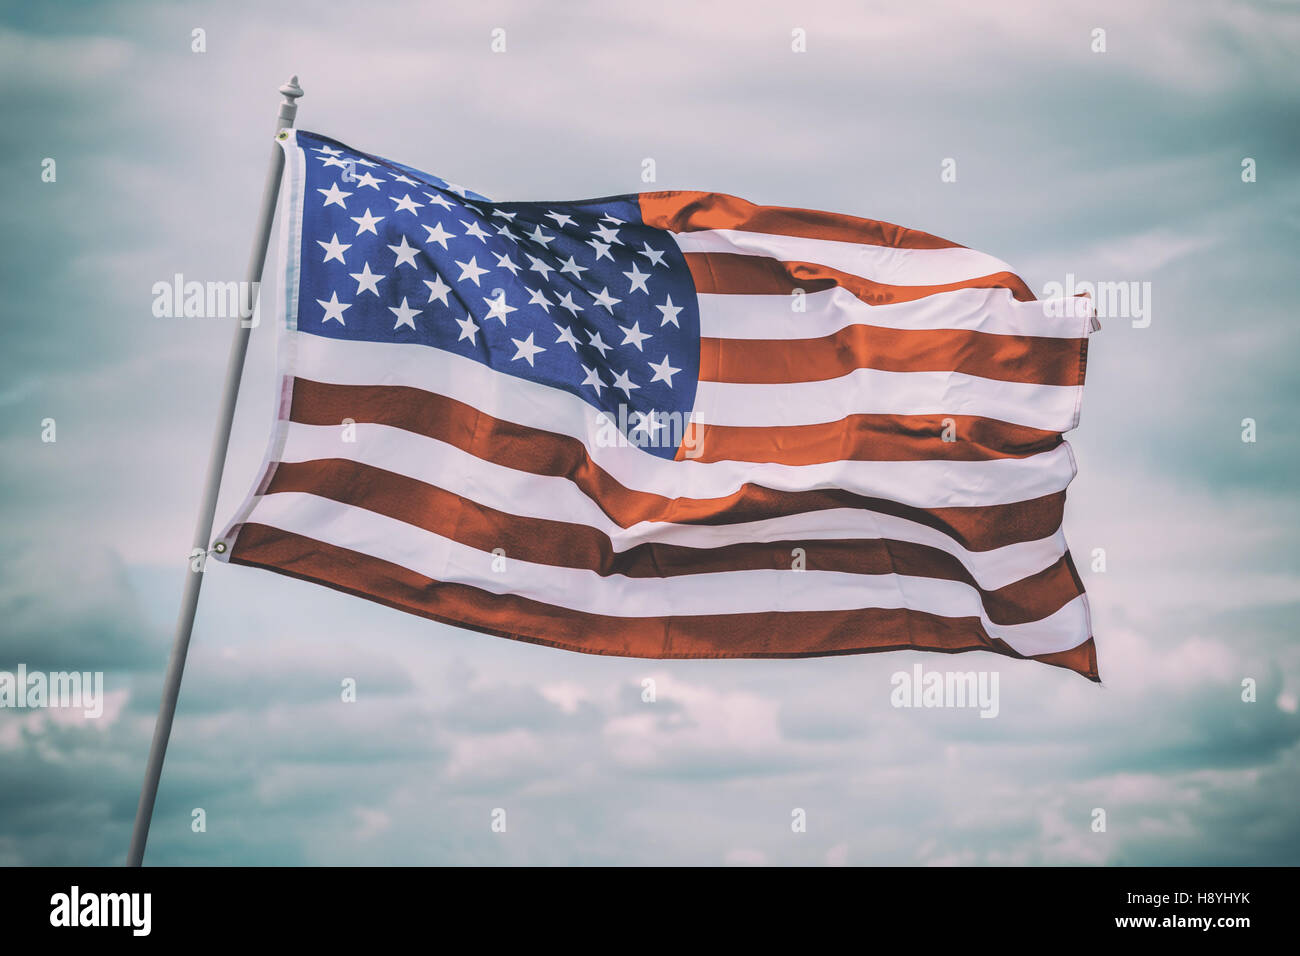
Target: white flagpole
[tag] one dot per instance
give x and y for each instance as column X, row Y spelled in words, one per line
column 207, row 510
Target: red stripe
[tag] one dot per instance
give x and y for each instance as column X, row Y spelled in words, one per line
column 545, row 453
column 563, row 544
column 869, row 438
column 756, row 635
column 689, row 211
column 732, row 274
column 1032, row 360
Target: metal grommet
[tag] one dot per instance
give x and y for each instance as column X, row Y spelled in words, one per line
column 219, row 547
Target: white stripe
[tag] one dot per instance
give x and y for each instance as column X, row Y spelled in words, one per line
column 922, row 484
column 917, row 267
column 559, row 499
column 993, row 311
column 870, row 391
column 730, row 592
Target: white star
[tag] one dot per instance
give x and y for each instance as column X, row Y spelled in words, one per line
column 438, row 234
column 470, row 270
column 654, row 255
column 573, row 268
column 333, row 161
column 366, row 223
column 405, row 314
column 405, row 179
column 540, row 266
column 405, row 253
column 663, row 372
column 638, row 279
column 498, row 308
column 566, row 302
column 437, row 289
column 333, row 308
column 439, row 200
column 468, row 329
column 407, row 203
column 505, row 262
column 540, row 237
column 607, row 300
column 598, row 344
column 634, row 335
column 368, row 281
column 365, row 179
column 504, row 230
column 334, row 249
column 561, row 220
column 566, row 336
column 602, row 249
column 334, row 196
column 607, row 234
column 538, row 297
column 503, row 214
column 475, row 230
column 457, row 188
column 608, row 218
column 592, row 379
column 365, row 162
column 526, row 349
column 648, row 424
column 670, row 312
column 328, row 151
column 624, row 381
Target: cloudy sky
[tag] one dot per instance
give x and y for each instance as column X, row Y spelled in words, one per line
column 1117, row 166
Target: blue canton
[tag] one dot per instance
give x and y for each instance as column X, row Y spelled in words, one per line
column 580, row 296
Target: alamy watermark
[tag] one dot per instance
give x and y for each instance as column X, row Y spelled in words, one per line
column 58, row 689
column 180, row 299
column 919, row 688
column 648, row 429
column 1116, row 300
column 74, row 908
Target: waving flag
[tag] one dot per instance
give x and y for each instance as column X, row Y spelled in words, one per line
column 666, row 425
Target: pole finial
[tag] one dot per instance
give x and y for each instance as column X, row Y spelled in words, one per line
column 291, row 90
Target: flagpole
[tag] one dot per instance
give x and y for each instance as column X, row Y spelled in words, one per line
column 207, row 510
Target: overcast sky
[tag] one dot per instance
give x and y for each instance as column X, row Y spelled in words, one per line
column 1117, row 166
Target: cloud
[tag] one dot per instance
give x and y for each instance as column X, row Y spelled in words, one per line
column 71, row 608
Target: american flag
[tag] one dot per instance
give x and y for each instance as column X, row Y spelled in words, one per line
column 666, row 425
